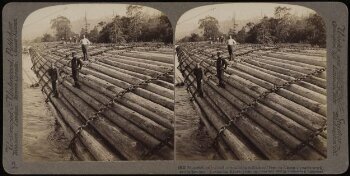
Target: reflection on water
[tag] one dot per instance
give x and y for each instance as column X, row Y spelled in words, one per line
column 43, row 139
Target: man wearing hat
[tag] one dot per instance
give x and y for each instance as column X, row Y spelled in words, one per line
column 76, row 66
column 221, row 64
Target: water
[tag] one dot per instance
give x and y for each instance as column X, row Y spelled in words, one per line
column 192, row 139
column 43, row 139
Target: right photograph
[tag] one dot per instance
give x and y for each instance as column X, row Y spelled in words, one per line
column 250, row 83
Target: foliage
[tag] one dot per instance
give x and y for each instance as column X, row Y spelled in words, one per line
column 62, row 26
column 281, row 28
column 112, row 32
column 47, row 38
column 210, row 26
column 149, row 29
column 134, row 19
column 316, row 30
column 93, row 35
column 193, row 38
column 136, row 26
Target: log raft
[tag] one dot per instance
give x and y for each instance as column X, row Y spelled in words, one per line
column 278, row 126
column 136, row 126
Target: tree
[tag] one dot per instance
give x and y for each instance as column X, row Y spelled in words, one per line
column 93, row 35
column 297, row 30
column 194, row 38
column 316, row 30
column 210, row 26
column 282, row 23
column 165, row 30
column 282, row 12
column 241, row 35
column 37, row 40
column 112, row 32
column 62, row 26
column 262, row 32
column 134, row 13
column 47, row 38
column 135, row 26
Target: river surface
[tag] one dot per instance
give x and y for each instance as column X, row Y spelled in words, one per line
column 43, row 139
column 192, row 140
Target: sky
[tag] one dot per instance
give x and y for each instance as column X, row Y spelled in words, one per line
column 242, row 11
column 38, row 22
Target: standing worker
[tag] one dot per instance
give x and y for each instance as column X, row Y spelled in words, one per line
column 198, row 72
column 230, row 43
column 53, row 73
column 84, row 46
column 76, row 66
column 221, row 64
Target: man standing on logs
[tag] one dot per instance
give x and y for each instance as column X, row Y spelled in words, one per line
column 84, row 46
column 76, row 66
column 221, row 64
column 198, row 72
column 230, row 43
column 53, row 73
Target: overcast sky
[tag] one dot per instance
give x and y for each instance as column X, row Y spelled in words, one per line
column 38, row 22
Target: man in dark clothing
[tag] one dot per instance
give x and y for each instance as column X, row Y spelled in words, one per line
column 198, row 72
column 53, row 73
column 221, row 64
column 76, row 66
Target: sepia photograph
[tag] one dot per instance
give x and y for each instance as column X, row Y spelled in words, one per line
column 250, row 83
column 98, row 83
column 175, row 88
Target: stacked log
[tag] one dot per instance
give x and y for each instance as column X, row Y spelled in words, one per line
column 278, row 124
column 135, row 126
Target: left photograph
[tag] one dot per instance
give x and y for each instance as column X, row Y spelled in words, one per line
column 97, row 84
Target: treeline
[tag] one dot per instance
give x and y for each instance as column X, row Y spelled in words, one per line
column 282, row 28
column 136, row 26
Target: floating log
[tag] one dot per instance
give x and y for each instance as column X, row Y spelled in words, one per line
column 224, row 150
column 95, row 147
column 273, row 115
column 289, row 78
column 132, row 80
column 129, row 127
column 169, row 60
column 298, row 59
column 236, row 144
column 281, row 134
column 80, row 150
column 285, row 93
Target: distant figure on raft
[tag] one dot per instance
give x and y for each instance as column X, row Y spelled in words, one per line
column 76, row 66
column 198, row 72
column 230, row 43
column 84, row 46
column 221, row 64
column 53, row 73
